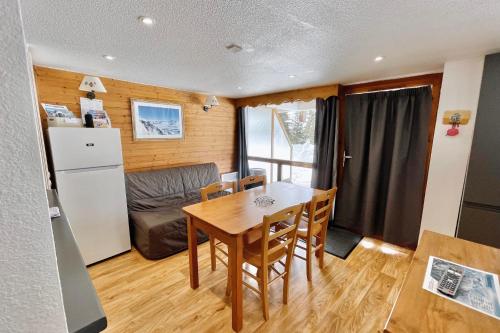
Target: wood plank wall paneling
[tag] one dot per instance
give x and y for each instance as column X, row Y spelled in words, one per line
column 208, row 136
column 306, row 94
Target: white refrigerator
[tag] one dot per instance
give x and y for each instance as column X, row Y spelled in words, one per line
column 90, row 182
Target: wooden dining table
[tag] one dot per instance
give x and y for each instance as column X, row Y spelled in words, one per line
column 228, row 219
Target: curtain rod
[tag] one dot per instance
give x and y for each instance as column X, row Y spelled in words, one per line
column 393, row 89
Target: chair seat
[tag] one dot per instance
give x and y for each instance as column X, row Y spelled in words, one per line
column 252, row 252
column 304, row 224
column 252, row 236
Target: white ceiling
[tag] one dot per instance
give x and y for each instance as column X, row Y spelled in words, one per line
column 319, row 41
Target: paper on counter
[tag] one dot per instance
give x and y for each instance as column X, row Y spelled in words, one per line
column 479, row 290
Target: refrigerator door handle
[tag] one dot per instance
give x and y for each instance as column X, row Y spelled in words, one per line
column 108, row 167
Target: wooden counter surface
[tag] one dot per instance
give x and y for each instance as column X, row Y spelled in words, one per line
column 418, row 310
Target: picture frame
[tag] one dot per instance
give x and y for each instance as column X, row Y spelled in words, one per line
column 157, row 120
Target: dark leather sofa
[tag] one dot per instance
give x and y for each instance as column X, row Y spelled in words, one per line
column 155, row 200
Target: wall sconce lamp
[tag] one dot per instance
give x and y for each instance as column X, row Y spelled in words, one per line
column 92, row 84
column 210, row 102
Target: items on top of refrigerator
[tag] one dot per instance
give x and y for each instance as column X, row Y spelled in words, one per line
column 54, row 110
column 94, row 108
column 100, row 119
column 60, row 116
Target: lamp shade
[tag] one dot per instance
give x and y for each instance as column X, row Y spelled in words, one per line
column 92, row 83
column 211, row 101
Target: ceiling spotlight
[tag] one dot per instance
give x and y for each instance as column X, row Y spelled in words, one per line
column 239, row 88
column 378, row 58
column 291, row 76
column 146, row 20
column 109, row 57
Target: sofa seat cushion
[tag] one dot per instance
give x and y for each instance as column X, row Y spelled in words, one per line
column 160, row 233
column 157, row 204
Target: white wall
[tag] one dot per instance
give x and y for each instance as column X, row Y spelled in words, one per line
column 450, row 155
column 30, row 290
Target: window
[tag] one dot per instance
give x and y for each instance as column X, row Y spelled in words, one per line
column 280, row 141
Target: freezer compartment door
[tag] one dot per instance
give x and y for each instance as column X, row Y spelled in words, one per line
column 480, row 225
column 95, row 204
column 80, row 148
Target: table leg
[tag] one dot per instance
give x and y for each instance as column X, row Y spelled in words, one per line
column 236, row 261
column 193, row 253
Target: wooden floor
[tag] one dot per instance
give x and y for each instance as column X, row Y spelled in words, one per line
column 353, row 295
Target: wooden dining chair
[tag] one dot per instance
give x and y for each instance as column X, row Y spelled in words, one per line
column 215, row 245
column 271, row 248
column 251, row 180
column 313, row 226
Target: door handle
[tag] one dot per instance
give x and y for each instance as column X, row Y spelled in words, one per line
column 109, row 167
column 346, row 157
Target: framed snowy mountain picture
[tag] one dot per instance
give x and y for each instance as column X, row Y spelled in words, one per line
column 153, row 120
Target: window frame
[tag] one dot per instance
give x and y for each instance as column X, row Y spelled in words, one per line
column 279, row 162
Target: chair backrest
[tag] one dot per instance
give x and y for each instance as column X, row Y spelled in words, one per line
column 216, row 188
column 285, row 237
column 320, row 208
column 250, row 180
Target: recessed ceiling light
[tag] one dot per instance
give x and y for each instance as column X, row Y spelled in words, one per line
column 378, row 58
column 146, row 20
column 239, row 88
column 109, row 57
column 291, row 76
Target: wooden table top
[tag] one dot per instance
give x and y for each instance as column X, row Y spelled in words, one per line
column 418, row 310
column 237, row 213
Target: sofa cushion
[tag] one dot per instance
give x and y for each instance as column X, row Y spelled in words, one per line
column 150, row 189
column 195, row 177
column 161, row 233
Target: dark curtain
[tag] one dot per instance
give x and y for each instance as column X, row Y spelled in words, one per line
column 382, row 189
column 324, row 166
column 243, row 168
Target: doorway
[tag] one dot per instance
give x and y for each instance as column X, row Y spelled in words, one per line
column 385, row 138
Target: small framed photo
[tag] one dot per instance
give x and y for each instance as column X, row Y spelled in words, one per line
column 152, row 120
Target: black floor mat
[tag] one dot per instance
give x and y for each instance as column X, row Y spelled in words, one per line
column 340, row 242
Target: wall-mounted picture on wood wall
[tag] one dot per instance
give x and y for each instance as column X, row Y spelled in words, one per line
column 152, row 120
